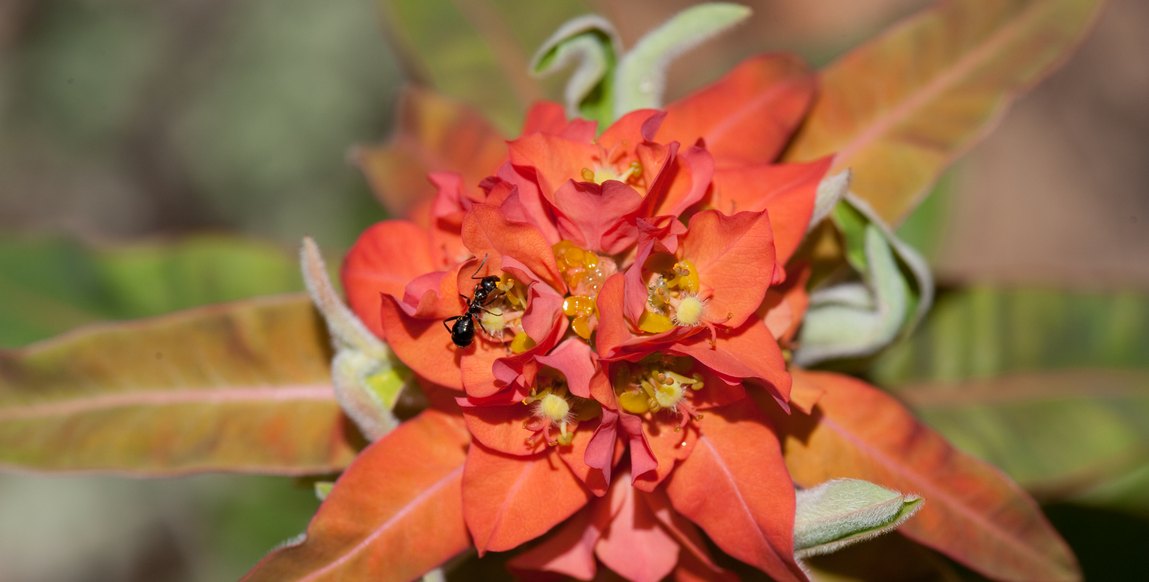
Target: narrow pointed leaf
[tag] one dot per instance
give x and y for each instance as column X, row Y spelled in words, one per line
column 234, row 387
column 842, row 512
column 395, row 514
column 1058, row 433
column 982, row 332
column 735, row 487
column 51, row 285
column 900, row 108
column 366, row 376
column 974, row 514
column 641, row 76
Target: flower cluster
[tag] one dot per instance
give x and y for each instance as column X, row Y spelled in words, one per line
column 606, row 310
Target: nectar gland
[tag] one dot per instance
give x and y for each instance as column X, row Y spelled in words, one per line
column 658, row 383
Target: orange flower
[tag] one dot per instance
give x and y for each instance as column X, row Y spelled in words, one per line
column 602, row 295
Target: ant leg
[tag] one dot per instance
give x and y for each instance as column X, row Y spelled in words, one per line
column 452, row 319
column 479, row 268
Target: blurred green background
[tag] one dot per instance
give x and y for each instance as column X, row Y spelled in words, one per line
column 156, row 156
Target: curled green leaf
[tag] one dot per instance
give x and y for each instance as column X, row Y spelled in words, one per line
column 842, row 512
column 591, row 44
column 890, row 292
column 641, row 76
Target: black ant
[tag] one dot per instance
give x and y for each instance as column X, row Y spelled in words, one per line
column 463, row 328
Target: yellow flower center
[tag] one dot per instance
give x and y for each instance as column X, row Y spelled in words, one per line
column 503, row 316
column 672, row 296
column 584, row 273
column 601, row 173
column 656, row 383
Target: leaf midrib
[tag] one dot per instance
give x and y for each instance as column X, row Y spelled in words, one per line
column 162, row 398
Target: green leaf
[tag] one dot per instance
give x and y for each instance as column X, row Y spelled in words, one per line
column 1057, row 433
column 641, row 76
column 235, row 387
column 982, row 332
column 900, row 108
column 842, row 512
column 52, row 285
column 591, row 44
column 851, row 318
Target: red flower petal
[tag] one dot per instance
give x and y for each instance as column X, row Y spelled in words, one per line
column 634, row 545
column 363, row 530
column 686, row 179
column 748, row 116
column 785, row 306
column 597, row 218
column 748, row 352
column 576, row 361
column 735, row 486
column 668, row 446
column 553, row 160
column 500, row 427
column 550, row 117
column 511, row 500
column 786, row 191
column 489, row 234
column 569, row 551
column 600, row 451
column 685, row 533
column 734, row 256
column 422, row 344
column 632, row 129
column 385, row 259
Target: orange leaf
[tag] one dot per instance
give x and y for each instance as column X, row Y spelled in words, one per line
column 395, row 514
column 242, row 386
column 734, row 485
column 900, row 108
column 748, row 115
column 511, row 500
column 434, row 134
column 973, row 513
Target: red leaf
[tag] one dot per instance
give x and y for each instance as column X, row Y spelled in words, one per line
column 734, row 485
column 973, row 513
column 748, row 115
column 408, row 481
column 511, row 500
